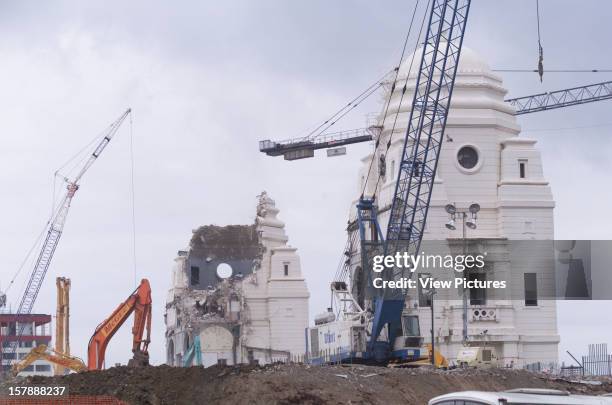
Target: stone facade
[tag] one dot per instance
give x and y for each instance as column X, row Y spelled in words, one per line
column 258, row 311
column 482, row 160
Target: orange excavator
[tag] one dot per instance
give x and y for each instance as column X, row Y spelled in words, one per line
column 139, row 302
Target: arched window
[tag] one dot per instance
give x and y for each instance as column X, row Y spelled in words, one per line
column 186, row 343
column 170, row 354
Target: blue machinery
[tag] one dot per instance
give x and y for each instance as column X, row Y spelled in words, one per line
column 430, row 105
column 193, row 356
column 562, row 98
column 417, row 169
column 421, row 151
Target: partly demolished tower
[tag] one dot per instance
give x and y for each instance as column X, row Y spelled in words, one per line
column 240, row 290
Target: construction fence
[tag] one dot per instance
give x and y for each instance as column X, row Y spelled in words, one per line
column 597, row 363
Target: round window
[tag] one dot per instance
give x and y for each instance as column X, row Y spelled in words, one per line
column 467, row 157
column 224, row 270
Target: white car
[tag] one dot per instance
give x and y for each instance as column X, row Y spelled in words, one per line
column 521, row 396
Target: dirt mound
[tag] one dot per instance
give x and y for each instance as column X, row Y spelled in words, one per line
column 298, row 384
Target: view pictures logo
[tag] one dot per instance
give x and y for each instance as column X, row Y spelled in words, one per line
column 458, row 263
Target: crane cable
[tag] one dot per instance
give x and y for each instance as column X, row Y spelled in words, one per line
column 133, row 197
column 554, row 70
column 404, row 88
column 53, row 205
column 400, row 102
column 341, row 274
column 540, row 49
column 25, row 259
column 350, row 106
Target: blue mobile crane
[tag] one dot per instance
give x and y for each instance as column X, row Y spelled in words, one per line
column 385, row 334
column 417, row 169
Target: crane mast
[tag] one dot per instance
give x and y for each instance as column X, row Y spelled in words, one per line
column 56, row 227
column 62, row 321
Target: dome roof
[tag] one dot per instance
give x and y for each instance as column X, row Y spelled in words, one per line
column 469, row 61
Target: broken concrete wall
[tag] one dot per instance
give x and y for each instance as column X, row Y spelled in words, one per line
column 256, row 310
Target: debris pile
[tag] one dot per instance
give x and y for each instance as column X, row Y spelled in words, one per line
column 293, row 383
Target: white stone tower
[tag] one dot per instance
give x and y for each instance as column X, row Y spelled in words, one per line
column 276, row 295
column 482, row 160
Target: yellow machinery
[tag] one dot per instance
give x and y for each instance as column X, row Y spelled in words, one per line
column 424, row 360
column 62, row 330
column 41, row 352
column 440, row 360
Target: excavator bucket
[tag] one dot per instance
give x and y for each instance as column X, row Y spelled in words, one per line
column 140, row 359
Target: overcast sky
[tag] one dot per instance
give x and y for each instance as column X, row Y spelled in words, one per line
column 206, row 81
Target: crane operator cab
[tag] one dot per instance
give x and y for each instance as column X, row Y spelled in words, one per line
column 408, row 344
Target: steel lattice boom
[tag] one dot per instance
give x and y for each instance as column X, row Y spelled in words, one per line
column 301, row 148
column 431, row 103
column 562, row 98
column 56, row 227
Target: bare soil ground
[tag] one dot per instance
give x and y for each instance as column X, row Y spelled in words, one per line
column 298, row 384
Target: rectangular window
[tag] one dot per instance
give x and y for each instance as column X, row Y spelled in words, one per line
column 43, row 367
column 8, row 356
column 195, row 275
column 410, row 325
column 424, row 299
column 286, row 268
column 523, row 168
column 478, row 296
column 531, row 290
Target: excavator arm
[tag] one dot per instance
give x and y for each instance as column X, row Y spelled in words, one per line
column 40, row 352
column 139, row 302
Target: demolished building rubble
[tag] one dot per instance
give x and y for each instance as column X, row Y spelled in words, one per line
column 240, row 289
